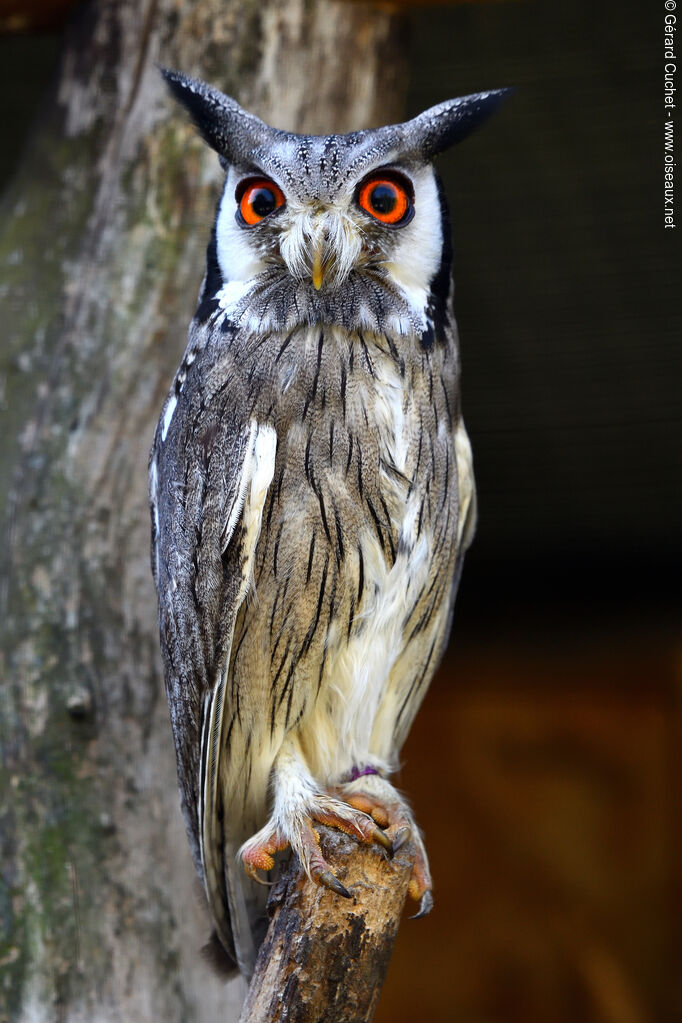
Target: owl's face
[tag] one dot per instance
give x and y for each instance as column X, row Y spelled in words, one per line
column 349, row 229
column 376, row 221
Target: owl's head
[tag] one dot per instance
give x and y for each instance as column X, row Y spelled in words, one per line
column 349, row 229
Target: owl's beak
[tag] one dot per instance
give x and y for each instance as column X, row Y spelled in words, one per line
column 318, row 266
column 321, row 246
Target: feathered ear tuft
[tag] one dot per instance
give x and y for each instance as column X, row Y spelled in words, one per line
column 442, row 126
column 223, row 124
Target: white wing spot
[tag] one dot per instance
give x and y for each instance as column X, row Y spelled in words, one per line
column 244, row 481
column 167, row 416
column 264, row 452
column 153, row 495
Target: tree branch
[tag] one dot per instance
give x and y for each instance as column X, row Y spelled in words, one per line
column 325, row 957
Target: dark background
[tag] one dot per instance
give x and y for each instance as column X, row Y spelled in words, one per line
column 568, row 298
column 544, row 763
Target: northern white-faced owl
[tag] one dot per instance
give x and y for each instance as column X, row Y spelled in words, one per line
column 312, row 494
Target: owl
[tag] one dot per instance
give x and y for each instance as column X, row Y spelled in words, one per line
column 312, row 495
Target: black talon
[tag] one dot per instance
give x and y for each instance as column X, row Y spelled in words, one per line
column 332, row 882
column 401, row 836
column 382, row 839
column 425, row 906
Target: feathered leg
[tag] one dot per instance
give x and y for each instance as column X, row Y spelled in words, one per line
column 374, row 795
column 299, row 802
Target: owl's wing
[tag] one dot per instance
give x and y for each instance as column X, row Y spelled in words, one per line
column 209, row 476
column 466, row 523
column 467, row 515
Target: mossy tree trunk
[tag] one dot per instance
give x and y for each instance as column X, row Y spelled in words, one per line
column 102, row 251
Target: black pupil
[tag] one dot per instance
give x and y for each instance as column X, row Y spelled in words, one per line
column 383, row 199
column 263, row 201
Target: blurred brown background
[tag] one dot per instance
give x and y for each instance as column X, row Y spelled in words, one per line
column 544, row 763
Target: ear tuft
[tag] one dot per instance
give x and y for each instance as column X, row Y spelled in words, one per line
column 220, row 120
column 450, row 122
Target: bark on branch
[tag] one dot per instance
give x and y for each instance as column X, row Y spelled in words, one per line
column 324, row 957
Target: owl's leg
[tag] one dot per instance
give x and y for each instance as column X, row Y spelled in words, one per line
column 298, row 804
column 375, row 795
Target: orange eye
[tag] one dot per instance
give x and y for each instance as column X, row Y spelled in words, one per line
column 257, row 199
column 386, row 198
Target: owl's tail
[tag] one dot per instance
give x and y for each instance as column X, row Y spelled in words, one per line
column 232, row 905
column 237, row 905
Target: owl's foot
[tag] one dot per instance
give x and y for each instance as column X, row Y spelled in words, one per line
column 377, row 798
column 259, row 852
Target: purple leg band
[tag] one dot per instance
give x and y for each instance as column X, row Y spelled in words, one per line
column 360, row 772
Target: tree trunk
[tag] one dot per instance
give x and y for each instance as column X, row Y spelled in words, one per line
column 102, row 252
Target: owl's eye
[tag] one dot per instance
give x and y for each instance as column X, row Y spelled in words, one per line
column 257, row 198
column 387, row 197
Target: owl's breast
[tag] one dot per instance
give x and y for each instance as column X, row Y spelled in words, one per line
column 358, row 534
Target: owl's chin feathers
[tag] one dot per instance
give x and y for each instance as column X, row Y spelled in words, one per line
column 274, row 301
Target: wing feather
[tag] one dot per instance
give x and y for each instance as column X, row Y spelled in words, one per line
column 220, row 868
column 209, row 475
column 466, row 524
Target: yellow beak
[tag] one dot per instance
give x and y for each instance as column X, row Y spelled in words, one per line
column 318, row 272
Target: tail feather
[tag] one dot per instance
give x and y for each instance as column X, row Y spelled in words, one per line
column 217, row 958
column 236, row 903
column 246, row 907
